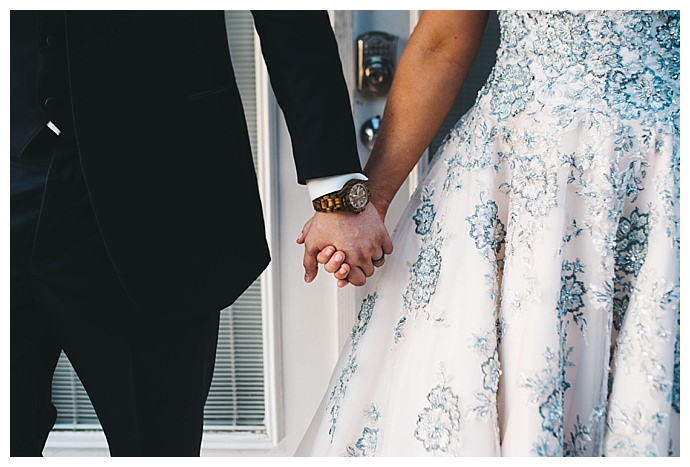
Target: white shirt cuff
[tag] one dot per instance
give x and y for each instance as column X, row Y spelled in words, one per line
column 321, row 186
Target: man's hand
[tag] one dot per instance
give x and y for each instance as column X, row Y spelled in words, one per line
column 362, row 238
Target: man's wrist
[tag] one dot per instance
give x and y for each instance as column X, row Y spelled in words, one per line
column 320, row 186
column 351, row 197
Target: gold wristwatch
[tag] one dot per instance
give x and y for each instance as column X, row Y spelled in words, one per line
column 352, row 197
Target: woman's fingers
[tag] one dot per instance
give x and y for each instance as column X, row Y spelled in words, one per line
column 325, row 255
column 342, row 272
column 333, row 261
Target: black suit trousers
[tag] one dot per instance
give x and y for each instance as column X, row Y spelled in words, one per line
column 147, row 379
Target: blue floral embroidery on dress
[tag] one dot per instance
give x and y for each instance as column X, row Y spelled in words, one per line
column 399, row 329
column 486, row 227
column 586, row 438
column 512, row 90
column 642, row 347
column 668, row 34
column 338, row 392
column 483, row 344
column 472, row 137
column 557, row 44
column 646, row 425
column 572, row 291
column 513, row 30
column 548, row 390
column 366, row 444
column 551, row 411
column 488, row 231
column 492, row 372
column 424, row 276
column 631, row 242
column 486, row 345
column 438, row 425
column 645, row 90
column 669, row 191
column 425, row 213
column 620, row 306
column 650, row 88
column 602, row 52
column 425, row 271
column 534, row 183
column 631, row 253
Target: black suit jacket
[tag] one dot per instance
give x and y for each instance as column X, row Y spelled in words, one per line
column 163, row 143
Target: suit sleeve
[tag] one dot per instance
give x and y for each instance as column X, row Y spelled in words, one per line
column 301, row 55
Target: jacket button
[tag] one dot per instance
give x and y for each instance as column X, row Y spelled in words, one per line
column 50, row 103
column 51, row 41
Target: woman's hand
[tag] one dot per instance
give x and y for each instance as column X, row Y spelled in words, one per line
column 334, row 262
column 360, row 239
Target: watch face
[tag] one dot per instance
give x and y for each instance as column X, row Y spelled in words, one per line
column 358, row 196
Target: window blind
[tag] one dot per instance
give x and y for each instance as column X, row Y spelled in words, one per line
column 236, row 402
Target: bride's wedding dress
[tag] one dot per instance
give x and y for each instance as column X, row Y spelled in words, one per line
column 531, row 305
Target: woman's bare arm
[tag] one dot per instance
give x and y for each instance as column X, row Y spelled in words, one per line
column 431, row 71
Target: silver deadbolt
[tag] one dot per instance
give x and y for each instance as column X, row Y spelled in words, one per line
column 369, row 131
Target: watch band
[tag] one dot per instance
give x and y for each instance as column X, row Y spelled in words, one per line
column 328, row 203
column 336, row 201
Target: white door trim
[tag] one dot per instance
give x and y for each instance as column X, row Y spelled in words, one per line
column 267, row 124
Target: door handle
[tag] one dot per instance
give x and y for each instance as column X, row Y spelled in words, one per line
column 369, row 131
